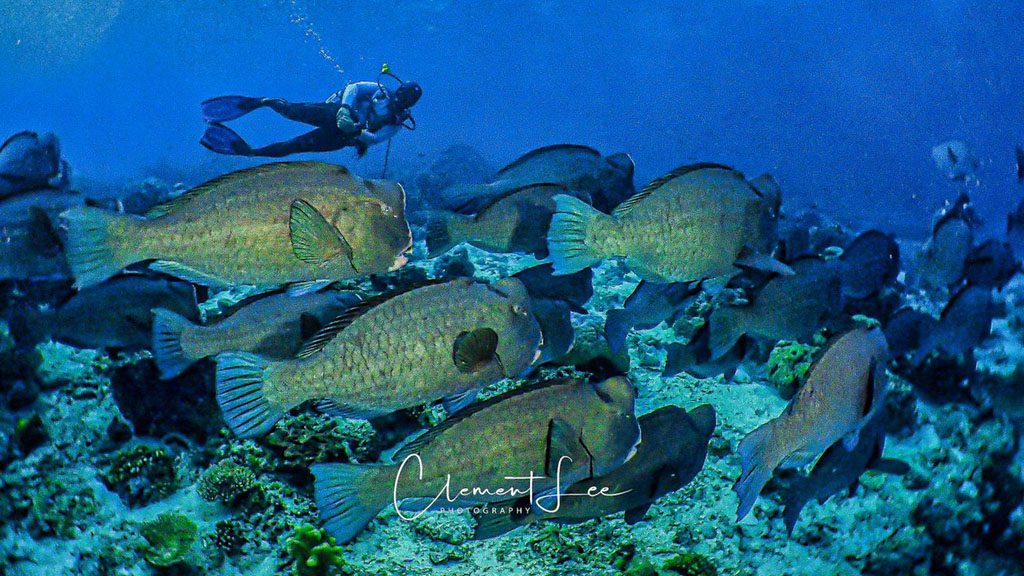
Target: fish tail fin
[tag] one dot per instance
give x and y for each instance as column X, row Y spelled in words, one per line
column 725, row 328
column 571, row 233
column 753, row 450
column 442, row 232
column 792, row 504
column 170, row 357
column 496, row 524
column 349, row 496
column 616, row 328
column 96, row 242
column 242, row 382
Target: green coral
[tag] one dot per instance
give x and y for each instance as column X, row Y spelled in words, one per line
column 169, row 538
column 58, row 509
column 141, row 474
column 228, row 536
column 306, row 439
column 226, row 482
column 787, row 366
column 314, row 552
column 691, row 564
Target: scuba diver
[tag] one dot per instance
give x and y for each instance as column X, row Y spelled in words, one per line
column 361, row 115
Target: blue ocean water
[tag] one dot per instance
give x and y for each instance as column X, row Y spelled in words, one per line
column 902, row 117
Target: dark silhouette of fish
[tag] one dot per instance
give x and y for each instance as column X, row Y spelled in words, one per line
column 839, row 469
column 672, row 456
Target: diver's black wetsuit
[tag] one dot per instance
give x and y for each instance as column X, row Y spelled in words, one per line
column 364, row 115
column 325, row 138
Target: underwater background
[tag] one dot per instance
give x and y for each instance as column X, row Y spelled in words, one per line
column 890, row 128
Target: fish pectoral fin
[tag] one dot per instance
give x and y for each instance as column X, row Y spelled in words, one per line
column 339, row 410
column 474, row 351
column 314, row 239
column 564, row 440
column 453, row 404
column 764, row 263
column 187, row 273
column 634, row 515
column 307, row 287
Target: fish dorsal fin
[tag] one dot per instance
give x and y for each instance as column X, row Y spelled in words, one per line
column 264, row 170
column 544, row 150
column 426, row 437
column 632, row 201
column 629, row 203
column 346, row 318
column 473, row 351
column 314, row 239
column 556, row 189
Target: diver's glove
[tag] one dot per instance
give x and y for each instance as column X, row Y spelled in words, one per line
column 346, row 122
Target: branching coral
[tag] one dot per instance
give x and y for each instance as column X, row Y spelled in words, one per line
column 314, row 552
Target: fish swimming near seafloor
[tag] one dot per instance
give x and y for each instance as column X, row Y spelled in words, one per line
column 272, row 325
column 697, row 222
column 965, row 322
column 695, row 358
column 671, row 457
column 787, row 308
column 30, row 161
column 305, row 223
column 647, row 306
column 843, row 388
column 116, row 313
column 514, row 221
column 839, row 469
column 30, row 245
column 869, row 263
column 553, row 300
column 440, row 341
column 604, row 181
column 991, row 264
column 955, row 161
column 526, row 432
column 940, row 264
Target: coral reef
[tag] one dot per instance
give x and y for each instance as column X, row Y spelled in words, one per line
column 226, row 482
column 788, row 363
column 314, row 552
column 169, row 538
column 141, row 474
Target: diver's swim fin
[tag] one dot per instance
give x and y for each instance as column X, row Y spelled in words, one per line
column 224, row 108
column 223, row 140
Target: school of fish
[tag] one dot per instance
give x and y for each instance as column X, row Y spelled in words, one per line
column 704, row 242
